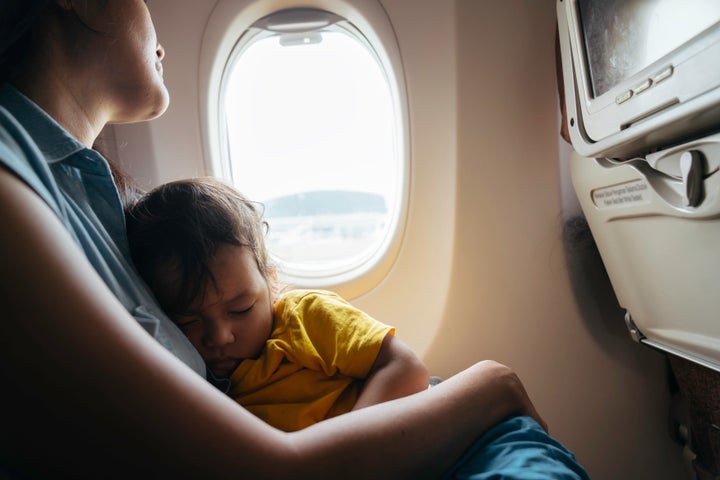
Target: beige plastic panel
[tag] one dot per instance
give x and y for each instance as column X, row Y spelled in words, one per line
column 663, row 257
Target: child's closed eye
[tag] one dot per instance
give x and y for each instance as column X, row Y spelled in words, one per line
column 242, row 310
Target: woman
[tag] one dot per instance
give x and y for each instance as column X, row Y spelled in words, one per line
column 87, row 391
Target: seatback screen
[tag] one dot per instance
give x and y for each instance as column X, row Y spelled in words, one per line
column 622, row 37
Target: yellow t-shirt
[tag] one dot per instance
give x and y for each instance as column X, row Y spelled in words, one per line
column 313, row 365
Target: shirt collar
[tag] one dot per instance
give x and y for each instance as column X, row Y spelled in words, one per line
column 52, row 139
column 222, row 384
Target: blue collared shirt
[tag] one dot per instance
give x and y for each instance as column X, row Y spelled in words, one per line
column 76, row 183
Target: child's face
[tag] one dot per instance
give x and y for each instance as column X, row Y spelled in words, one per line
column 235, row 318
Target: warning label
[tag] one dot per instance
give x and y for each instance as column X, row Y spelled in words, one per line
column 622, row 195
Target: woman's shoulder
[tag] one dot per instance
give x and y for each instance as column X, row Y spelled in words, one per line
column 20, row 154
column 14, row 139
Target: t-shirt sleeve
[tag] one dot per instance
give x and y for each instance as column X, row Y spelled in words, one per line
column 327, row 333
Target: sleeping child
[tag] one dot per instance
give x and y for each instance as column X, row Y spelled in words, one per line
column 292, row 358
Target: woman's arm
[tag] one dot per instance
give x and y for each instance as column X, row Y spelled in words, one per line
column 421, row 435
column 88, row 393
column 396, row 372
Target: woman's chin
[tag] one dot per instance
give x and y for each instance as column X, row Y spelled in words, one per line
column 143, row 106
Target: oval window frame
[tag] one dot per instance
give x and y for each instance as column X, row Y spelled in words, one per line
column 233, row 19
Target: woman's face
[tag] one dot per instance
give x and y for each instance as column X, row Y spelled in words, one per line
column 123, row 57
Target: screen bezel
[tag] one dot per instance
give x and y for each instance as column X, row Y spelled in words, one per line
column 684, row 104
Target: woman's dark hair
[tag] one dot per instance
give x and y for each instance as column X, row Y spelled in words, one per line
column 128, row 189
column 18, row 18
column 176, row 229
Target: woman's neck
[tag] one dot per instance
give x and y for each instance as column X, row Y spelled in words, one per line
column 67, row 105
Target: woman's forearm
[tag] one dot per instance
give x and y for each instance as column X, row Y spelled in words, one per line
column 417, row 436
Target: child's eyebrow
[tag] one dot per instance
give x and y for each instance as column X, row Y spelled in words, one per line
column 239, row 296
column 236, row 297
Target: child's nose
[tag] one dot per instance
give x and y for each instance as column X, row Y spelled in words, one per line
column 219, row 334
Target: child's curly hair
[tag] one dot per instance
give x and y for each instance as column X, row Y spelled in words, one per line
column 175, row 230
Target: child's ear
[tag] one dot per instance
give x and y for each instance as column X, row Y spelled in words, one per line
column 274, row 281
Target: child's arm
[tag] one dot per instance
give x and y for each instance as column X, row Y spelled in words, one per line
column 397, row 372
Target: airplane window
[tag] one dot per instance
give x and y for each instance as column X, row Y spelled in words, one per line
column 313, row 133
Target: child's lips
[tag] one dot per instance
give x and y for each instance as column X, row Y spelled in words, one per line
column 223, row 365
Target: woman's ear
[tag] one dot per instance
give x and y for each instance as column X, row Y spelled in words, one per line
column 88, row 12
column 64, row 4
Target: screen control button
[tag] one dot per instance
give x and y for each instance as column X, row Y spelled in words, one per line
column 623, row 97
column 663, row 75
column 642, row 87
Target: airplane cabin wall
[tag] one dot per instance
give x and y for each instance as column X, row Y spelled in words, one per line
column 517, row 294
column 484, row 271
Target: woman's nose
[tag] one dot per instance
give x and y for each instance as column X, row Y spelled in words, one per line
column 219, row 334
column 160, row 52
